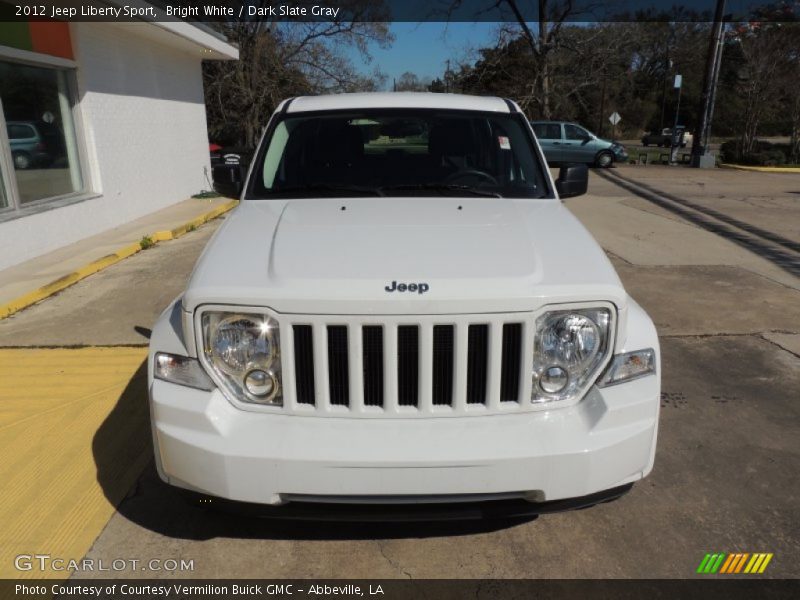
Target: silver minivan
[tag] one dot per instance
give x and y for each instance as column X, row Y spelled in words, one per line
column 564, row 142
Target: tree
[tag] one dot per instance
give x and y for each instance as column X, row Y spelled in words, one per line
column 280, row 60
column 410, row 82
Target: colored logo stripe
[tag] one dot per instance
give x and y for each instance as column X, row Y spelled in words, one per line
column 737, row 562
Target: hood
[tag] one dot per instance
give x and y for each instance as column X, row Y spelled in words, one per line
column 401, row 255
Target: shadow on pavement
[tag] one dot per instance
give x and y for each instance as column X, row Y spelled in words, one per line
column 122, row 449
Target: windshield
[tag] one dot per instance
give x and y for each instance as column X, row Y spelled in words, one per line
column 398, row 152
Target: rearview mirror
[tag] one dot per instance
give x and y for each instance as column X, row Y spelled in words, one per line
column 228, row 180
column 573, row 180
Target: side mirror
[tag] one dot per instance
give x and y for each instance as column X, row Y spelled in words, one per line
column 228, row 180
column 573, row 180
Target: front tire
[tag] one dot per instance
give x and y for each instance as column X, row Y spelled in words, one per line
column 22, row 161
column 604, row 160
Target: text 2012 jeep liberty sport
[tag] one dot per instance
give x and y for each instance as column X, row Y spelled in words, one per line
column 401, row 315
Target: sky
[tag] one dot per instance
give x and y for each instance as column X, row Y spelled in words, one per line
column 424, row 48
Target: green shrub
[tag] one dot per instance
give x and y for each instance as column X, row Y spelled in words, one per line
column 764, row 154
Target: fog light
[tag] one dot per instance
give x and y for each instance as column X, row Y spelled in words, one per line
column 553, row 380
column 260, row 383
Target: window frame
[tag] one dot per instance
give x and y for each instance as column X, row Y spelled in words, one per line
column 15, row 208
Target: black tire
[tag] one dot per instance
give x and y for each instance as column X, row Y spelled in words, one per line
column 22, row 160
column 604, row 160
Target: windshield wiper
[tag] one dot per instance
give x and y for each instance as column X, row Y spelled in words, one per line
column 442, row 188
column 327, row 187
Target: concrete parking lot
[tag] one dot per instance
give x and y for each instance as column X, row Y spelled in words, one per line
column 726, row 302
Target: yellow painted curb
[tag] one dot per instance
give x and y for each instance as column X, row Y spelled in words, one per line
column 75, row 437
column 26, row 300
column 761, row 169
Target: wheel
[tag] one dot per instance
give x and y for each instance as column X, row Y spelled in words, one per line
column 604, row 160
column 22, row 160
column 470, row 173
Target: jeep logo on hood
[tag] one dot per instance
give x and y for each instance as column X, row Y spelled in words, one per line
column 420, row 288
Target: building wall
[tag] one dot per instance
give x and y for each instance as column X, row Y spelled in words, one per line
column 142, row 118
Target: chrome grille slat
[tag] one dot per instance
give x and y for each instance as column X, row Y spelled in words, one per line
column 494, row 360
column 355, row 360
column 390, row 396
column 321, row 389
column 425, row 383
column 462, row 358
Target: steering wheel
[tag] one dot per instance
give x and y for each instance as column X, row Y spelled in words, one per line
column 470, row 173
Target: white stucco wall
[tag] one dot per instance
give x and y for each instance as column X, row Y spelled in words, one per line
column 143, row 122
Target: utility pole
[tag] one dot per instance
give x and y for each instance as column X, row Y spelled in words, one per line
column 700, row 145
column 602, row 104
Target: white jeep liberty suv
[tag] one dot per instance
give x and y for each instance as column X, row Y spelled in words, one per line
column 401, row 317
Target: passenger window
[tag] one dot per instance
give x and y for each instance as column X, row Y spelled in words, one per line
column 547, row 131
column 573, row 132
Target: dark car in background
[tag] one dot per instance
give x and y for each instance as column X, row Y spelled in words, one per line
column 564, row 142
column 665, row 138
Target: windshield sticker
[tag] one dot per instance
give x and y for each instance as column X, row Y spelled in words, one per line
column 504, row 142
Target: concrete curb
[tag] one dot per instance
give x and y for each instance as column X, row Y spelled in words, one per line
column 761, row 169
column 26, row 300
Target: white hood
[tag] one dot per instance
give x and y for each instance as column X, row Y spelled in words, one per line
column 338, row 256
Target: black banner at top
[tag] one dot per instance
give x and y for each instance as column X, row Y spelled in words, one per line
column 275, row 11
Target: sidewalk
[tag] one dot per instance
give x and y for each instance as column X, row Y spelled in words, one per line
column 30, row 282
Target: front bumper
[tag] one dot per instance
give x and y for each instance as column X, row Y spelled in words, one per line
column 205, row 444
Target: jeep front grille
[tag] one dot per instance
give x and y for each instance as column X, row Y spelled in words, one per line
column 448, row 365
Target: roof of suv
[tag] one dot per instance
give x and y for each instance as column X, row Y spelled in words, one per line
column 396, row 100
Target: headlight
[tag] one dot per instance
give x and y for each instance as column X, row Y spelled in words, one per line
column 569, row 348
column 243, row 353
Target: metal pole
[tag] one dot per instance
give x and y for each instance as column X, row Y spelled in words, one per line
column 677, row 108
column 700, row 144
column 706, row 141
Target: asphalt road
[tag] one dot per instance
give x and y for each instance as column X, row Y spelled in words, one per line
column 725, row 474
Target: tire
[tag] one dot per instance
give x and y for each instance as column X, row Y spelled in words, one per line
column 604, row 160
column 22, row 161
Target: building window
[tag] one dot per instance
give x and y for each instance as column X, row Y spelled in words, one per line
column 37, row 112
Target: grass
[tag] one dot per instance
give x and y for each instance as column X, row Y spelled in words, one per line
column 654, row 156
column 146, row 242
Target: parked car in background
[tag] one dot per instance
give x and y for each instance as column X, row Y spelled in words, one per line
column 665, row 138
column 32, row 144
column 564, row 142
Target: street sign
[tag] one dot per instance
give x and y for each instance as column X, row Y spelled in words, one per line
column 615, row 118
column 678, row 81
